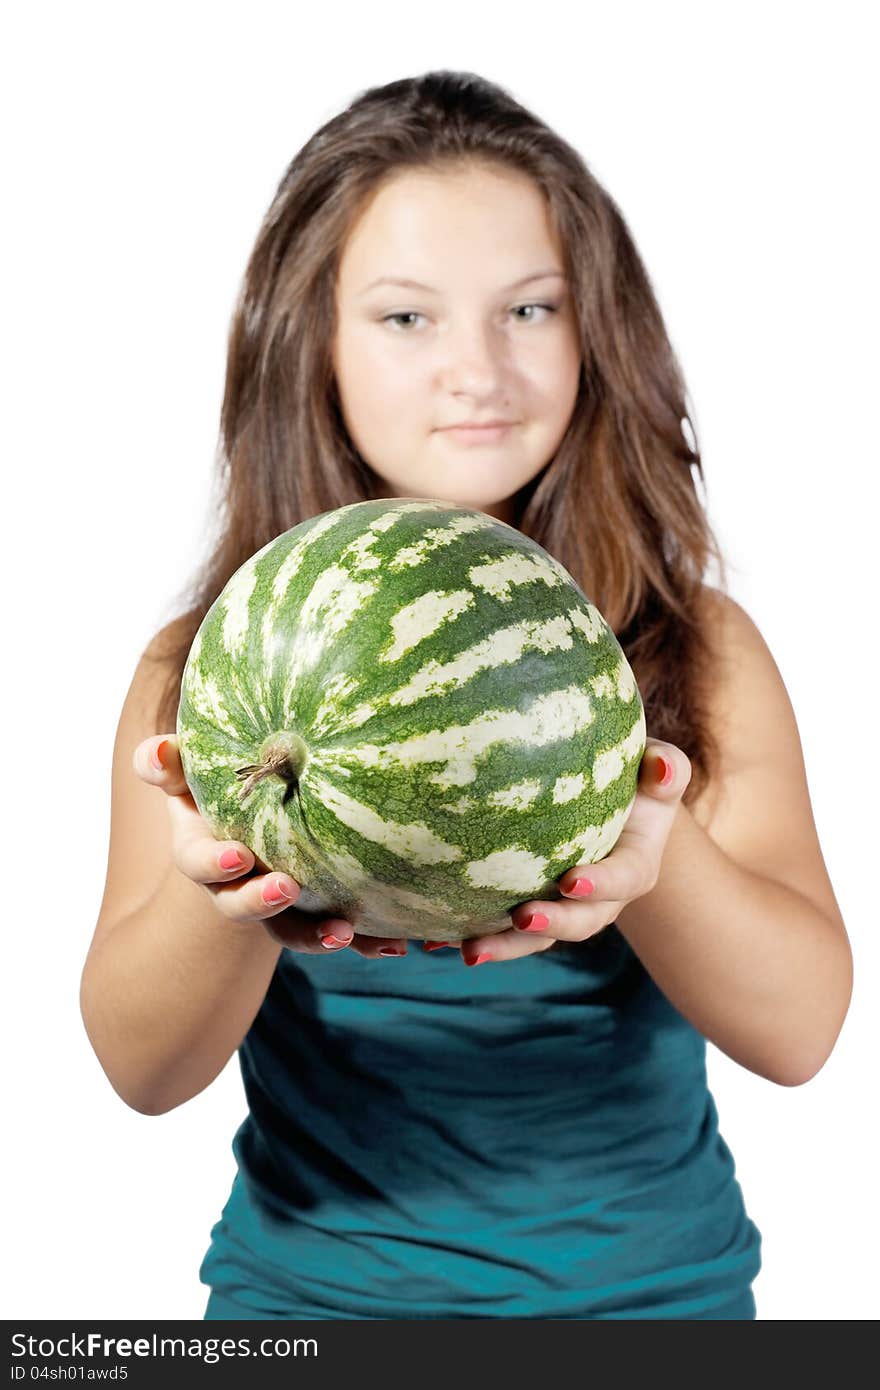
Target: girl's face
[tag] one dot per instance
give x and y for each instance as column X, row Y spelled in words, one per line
column 472, row 344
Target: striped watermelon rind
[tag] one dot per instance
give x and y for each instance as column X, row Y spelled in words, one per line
column 413, row 710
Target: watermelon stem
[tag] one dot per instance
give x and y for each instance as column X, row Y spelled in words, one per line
column 283, row 754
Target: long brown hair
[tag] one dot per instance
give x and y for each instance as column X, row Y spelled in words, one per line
column 617, row 504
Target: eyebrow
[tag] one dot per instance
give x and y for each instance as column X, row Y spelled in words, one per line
column 417, row 285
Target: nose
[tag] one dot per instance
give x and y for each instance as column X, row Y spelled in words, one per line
column 474, row 357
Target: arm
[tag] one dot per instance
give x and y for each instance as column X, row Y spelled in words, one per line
column 742, row 931
column 168, row 994
column 756, row 966
column 185, row 948
column 170, row 985
column 726, row 901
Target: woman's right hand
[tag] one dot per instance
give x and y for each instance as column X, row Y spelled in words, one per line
column 240, row 894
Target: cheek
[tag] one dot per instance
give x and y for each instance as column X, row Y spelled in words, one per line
column 550, row 368
column 375, row 380
column 559, row 388
column 562, row 366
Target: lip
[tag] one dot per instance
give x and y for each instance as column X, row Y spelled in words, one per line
column 479, row 434
column 477, row 424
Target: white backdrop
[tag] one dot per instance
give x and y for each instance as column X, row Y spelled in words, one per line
column 142, row 152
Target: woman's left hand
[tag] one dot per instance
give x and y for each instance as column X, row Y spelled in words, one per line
column 628, row 872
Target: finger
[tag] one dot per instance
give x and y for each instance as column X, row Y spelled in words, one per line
column 373, row 947
column 217, row 863
column 631, row 869
column 505, row 945
column 258, row 898
column 203, row 858
column 633, row 866
column 157, row 760
column 653, row 813
column 299, row 933
column 198, row 853
column 665, row 770
column 564, row 921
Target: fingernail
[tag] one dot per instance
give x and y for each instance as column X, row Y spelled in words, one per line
column 479, row 960
column 581, row 887
column 276, row 892
column 156, row 755
column 330, row 941
column 537, row 922
column 392, row 950
column 231, row 859
column 665, row 772
column 435, row 945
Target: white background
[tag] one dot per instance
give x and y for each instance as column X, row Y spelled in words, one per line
column 143, row 148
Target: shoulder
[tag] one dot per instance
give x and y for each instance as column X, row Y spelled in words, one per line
column 160, row 660
column 727, row 626
column 167, row 649
column 165, row 644
column 745, row 688
column 745, row 702
column 757, row 808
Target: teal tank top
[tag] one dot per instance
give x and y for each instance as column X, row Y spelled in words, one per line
column 522, row 1139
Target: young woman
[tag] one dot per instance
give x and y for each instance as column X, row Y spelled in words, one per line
column 443, row 303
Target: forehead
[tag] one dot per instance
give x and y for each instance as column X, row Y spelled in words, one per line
column 419, row 221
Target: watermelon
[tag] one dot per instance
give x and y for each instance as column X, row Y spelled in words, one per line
column 412, row 709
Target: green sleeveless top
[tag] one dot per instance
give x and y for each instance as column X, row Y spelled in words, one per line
column 522, row 1139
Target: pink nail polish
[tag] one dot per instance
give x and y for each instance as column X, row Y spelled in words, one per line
column 479, row 960
column 275, row 893
column 537, row 922
column 156, row 755
column 581, row 888
column 665, row 772
column 331, row 941
column 392, row 950
column 231, row 859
